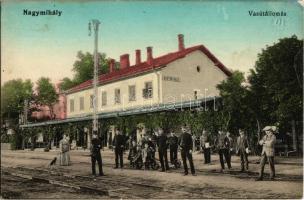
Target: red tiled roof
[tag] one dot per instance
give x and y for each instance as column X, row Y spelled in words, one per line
column 144, row 67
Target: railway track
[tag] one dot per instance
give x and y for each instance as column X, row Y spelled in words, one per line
column 114, row 186
column 111, row 187
column 118, row 186
column 205, row 172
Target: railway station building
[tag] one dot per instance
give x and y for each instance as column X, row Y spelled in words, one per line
column 178, row 81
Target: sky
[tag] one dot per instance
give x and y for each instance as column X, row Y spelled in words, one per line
column 36, row 46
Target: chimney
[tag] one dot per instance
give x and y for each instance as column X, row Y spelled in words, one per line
column 111, row 65
column 181, row 45
column 124, row 61
column 58, row 87
column 149, row 55
column 138, row 57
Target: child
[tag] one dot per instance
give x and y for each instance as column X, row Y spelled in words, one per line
column 132, row 152
column 145, row 155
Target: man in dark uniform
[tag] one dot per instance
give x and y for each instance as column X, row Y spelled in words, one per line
column 186, row 145
column 223, row 146
column 242, row 149
column 205, row 145
column 95, row 154
column 162, row 149
column 173, row 145
column 118, row 144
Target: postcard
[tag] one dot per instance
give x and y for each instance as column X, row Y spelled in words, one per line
column 151, row 99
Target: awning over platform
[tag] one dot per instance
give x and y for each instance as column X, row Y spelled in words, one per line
column 135, row 111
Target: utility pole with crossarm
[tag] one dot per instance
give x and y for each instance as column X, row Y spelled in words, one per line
column 95, row 25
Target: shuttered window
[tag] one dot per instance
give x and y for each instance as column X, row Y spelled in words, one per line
column 132, row 93
column 71, row 105
column 81, row 103
column 117, row 96
column 104, row 98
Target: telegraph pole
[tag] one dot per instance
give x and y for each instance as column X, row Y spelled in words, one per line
column 95, row 25
column 25, row 111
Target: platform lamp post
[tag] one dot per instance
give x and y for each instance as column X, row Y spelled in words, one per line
column 95, row 25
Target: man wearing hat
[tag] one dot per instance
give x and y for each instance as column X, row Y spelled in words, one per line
column 162, row 144
column 173, row 145
column 242, row 149
column 268, row 143
column 95, row 154
column 119, row 144
column 205, row 146
column 223, row 145
column 185, row 143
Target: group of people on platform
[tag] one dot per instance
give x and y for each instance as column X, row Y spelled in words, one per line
column 223, row 143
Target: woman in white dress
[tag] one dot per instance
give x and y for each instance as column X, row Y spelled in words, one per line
column 64, row 157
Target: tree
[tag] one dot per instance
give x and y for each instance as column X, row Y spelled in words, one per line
column 234, row 111
column 46, row 94
column 13, row 95
column 276, row 84
column 84, row 69
column 66, row 83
